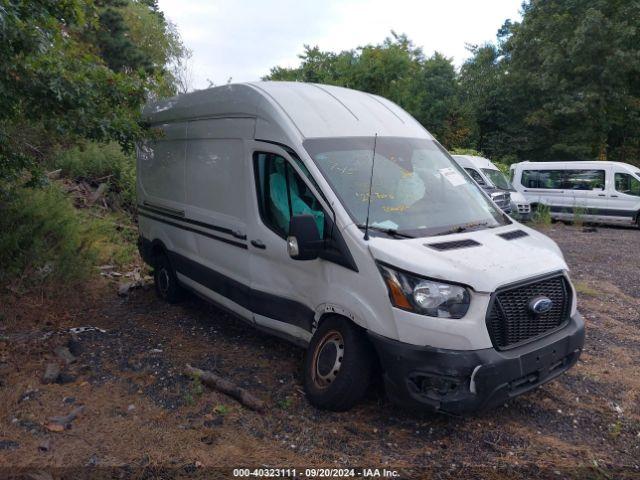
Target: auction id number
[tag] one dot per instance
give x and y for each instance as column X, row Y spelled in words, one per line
column 292, row 472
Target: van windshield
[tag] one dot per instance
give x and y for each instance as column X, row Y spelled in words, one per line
column 418, row 190
column 498, row 179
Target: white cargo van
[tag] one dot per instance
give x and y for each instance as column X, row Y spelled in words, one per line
column 488, row 176
column 332, row 218
column 598, row 191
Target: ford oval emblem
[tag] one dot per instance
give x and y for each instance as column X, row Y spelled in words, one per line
column 540, row 305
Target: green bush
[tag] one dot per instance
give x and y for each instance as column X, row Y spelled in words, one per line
column 100, row 163
column 541, row 216
column 42, row 238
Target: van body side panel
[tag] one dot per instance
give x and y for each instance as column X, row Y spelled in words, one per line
column 162, row 187
column 161, row 164
column 216, row 177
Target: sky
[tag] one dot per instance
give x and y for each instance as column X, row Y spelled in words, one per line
column 243, row 39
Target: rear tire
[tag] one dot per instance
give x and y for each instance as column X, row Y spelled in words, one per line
column 166, row 281
column 338, row 365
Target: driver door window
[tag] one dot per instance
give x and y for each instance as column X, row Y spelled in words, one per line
column 628, row 184
column 282, row 193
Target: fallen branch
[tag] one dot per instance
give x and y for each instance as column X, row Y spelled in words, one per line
column 212, row 380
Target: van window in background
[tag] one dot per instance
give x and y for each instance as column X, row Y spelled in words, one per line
column 628, row 184
column 498, row 178
column 552, row 179
column 417, row 188
column 476, row 176
column 585, row 179
column 564, row 179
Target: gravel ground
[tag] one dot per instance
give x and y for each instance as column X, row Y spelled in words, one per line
column 145, row 418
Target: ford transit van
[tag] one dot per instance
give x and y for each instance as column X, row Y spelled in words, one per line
column 490, row 178
column 597, row 191
column 332, row 218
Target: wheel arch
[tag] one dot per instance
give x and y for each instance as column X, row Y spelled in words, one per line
column 157, row 248
column 330, row 310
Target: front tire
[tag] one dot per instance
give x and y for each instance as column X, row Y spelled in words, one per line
column 338, row 365
column 166, row 281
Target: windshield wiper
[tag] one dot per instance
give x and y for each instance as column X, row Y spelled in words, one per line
column 392, row 232
column 466, row 227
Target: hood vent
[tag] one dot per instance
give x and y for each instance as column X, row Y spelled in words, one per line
column 513, row 234
column 453, row 245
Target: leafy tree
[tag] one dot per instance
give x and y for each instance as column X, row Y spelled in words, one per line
column 57, row 87
column 564, row 83
column 435, row 102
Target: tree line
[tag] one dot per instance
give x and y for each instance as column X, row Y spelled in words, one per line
column 561, row 84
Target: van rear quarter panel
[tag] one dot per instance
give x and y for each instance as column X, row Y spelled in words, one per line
column 161, row 164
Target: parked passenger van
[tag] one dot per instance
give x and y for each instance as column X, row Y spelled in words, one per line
column 332, row 218
column 490, row 178
column 597, row 191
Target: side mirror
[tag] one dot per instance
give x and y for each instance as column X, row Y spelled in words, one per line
column 303, row 242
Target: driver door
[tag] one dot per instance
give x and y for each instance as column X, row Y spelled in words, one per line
column 285, row 292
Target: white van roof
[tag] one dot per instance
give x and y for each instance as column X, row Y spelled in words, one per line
column 575, row 164
column 292, row 109
column 466, row 161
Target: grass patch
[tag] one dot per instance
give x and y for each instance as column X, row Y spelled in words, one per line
column 578, row 216
column 541, row 216
column 584, row 289
column 114, row 236
column 221, row 409
column 196, row 389
column 285, row 404
column 44, row 239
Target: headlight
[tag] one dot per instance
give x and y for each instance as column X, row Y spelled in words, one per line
column 427, row 297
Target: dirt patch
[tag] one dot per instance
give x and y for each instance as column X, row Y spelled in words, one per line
column 142, row 413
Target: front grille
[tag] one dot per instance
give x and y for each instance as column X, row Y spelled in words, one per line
column 503, row 200
column 511, row 322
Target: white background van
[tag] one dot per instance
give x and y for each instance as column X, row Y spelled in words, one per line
column 598, row 191
column 332, row 218
column 486, row 174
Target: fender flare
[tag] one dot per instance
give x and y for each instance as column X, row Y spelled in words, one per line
column 325, row 309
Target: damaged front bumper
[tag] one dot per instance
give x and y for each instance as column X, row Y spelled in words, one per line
column 464, row 381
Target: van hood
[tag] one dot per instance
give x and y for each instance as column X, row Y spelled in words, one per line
column 493, row 263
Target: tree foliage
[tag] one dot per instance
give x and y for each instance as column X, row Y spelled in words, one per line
column 74, row 70
column 563, row 83
column 395, row 69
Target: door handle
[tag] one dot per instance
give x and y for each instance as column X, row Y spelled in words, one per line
column 601, row 195
column 258, row 244
column 614, row 196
